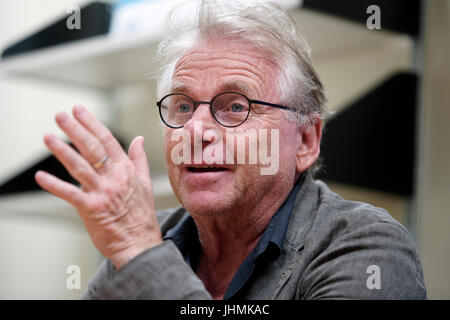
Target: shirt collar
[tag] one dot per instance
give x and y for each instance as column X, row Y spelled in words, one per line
column 271, row 243
column 185, row 236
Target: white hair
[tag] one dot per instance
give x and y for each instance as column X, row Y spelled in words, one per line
column 265, row 25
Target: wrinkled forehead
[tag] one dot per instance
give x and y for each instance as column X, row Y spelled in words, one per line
column 224, row 58
column 233, row 49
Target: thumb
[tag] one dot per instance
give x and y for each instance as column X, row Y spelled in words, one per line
column 137, row 155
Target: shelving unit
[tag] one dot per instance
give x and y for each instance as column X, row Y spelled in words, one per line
column 108, row 62
column 102, row 62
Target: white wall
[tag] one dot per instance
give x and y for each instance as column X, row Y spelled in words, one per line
column 433, row 205
column 38, row 245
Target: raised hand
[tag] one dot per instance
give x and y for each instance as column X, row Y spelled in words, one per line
column 115, row 200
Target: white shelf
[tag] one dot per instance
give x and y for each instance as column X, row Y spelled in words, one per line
column 107, row 62
column 103, row 62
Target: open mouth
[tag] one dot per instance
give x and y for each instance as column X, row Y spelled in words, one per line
column 206, row 169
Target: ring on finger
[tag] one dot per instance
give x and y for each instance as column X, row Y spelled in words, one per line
column 101, row 162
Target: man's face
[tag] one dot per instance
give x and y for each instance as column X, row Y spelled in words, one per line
column 202, row 73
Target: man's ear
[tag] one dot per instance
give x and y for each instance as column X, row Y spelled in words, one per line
column 309, row 148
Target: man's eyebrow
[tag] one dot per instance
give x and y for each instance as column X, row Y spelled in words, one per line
column 178, row 87
column 238, row 86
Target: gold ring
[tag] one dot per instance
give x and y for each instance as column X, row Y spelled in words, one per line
column 101, row 163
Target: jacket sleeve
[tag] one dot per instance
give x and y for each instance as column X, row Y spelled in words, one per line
column 157, row 273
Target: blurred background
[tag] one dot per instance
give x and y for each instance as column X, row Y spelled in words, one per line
column 386, row 74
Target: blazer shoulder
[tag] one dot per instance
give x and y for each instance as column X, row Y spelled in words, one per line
column 354, row 213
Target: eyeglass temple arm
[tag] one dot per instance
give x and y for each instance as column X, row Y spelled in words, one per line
column 273, row 105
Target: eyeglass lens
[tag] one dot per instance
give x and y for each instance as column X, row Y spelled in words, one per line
column 229, row 109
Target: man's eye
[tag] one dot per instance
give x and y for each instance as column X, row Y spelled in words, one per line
column 237, row 107
column 184, row 108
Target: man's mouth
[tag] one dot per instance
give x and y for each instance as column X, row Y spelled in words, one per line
column 206, row 169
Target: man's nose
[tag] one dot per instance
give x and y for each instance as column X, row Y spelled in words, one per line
column 201, row 114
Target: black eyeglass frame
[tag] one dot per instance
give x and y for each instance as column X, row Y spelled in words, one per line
column 210, row 103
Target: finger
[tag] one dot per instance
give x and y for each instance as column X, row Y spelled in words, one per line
column 98, row 130
column 86, row 143
column 77, row 166
column 137, row 155
column 61, row 189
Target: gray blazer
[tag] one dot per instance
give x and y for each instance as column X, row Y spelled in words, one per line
column 333, row 249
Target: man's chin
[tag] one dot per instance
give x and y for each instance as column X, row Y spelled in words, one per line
column 206, row 204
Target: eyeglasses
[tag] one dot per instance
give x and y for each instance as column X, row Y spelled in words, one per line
column 230, row 109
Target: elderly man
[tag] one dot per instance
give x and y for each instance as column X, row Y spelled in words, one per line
column 242, row 232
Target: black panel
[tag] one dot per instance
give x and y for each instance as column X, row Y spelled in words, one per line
column 95, row 19
column 24, row 181
column 372, row 142
column 397, row 15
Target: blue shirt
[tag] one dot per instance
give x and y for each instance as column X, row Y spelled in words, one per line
column 268, row 248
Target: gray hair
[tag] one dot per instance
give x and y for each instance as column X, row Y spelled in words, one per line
column 264, row 24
